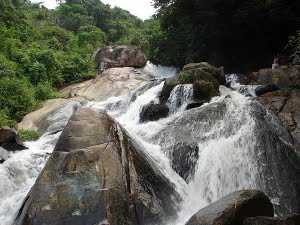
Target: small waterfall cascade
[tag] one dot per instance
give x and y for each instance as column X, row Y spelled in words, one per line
column 221, row 133
column 180, row 96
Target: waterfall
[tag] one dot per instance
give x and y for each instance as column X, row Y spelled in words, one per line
column 180, row 97
column 223, row 131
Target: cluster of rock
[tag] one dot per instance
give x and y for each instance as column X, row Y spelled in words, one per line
column 205, row 80
column 119, row 56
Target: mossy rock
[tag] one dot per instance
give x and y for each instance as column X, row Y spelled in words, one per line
column 204, row 90
column 206, row 68
column 205, row 78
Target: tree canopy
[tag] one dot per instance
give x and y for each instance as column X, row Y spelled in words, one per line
column 239, row 34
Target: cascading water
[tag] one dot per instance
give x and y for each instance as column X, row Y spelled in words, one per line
column 222, row 132
column 180, row 97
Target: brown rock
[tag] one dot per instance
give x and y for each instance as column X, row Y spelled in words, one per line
column 119, row 56
column 284, row 76
column 111, row 83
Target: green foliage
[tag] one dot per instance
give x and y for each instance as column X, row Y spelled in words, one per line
column 5, row 120
column 293, row 48
column 28, row 135
column 16, row 97
column 44, row 91
column 239, row 34
column 42, row 50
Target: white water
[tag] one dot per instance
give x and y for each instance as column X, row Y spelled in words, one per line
column 160, row 71
column 226, row 161
column 180, row 97
column 19, row 172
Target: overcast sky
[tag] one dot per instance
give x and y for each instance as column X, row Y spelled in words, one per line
column 140, row 8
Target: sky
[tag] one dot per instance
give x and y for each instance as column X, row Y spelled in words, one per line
column 140, row 8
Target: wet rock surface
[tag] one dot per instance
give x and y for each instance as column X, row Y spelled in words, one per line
column 233, row 209
column 97, row 175
column 184, row 160
column 153, row 112
column 9, row 139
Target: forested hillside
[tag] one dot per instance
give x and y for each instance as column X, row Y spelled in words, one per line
column 238, row 34
column 41, row 49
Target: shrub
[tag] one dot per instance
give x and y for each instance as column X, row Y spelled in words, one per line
column 16, row 97
column 28, row 135
column 5, row 120
column 44, row 91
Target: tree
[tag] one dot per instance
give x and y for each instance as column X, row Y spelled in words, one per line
column 240, row 34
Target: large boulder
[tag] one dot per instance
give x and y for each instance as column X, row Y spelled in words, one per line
column 233, row 209
column 112, row 82
column 260, row 220
column 283, row 77
column 153, row 112
column 97, row 175
column 204, row 77
column 120, row 56
column 10, row 140
column 205, row 69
